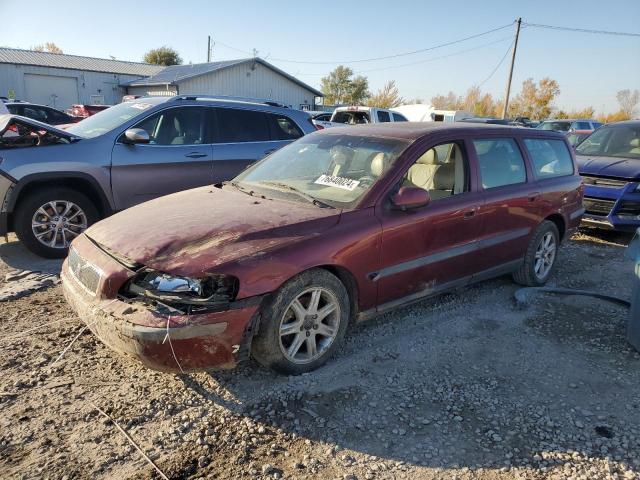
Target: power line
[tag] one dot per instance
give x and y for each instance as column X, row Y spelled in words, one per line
column 497, row 66
column 503, row 39
column 581, row 30
column 361, row 60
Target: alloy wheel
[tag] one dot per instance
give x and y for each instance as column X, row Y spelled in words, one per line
column 56, row 223
column 309, row 325
column 545, row 255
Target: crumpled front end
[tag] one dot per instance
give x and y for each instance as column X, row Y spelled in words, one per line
column 161, row 339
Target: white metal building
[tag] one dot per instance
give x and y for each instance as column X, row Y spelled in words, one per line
column 247, row 77
column 62, row 80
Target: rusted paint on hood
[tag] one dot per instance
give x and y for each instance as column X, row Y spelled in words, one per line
column 192, row 232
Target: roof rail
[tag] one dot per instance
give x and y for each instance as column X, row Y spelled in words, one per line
column 263, row 101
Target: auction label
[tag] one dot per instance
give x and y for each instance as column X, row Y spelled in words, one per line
column 338, row 182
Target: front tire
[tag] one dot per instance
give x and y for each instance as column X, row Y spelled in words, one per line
column 540, row 258
column 48, row 220
column 302, row 326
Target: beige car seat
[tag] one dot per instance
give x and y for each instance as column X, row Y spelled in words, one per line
column 430, row 175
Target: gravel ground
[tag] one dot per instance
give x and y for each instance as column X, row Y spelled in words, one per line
column 463, row 386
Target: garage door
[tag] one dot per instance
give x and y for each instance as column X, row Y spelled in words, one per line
column 58, row 92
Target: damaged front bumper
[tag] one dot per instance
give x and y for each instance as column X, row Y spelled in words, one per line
column 171, row 342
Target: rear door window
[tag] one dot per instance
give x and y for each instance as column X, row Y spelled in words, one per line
column 398, row 118
column 236, row 125
column 283, row 128
column 383, row 116
column 500, row 162
column 551, row 158
column 581, row 126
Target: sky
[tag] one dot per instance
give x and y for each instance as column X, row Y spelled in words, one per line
column 590, row 68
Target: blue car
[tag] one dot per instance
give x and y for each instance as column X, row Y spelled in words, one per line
column 609, row 163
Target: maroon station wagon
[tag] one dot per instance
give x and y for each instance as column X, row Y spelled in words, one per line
column 339, row 226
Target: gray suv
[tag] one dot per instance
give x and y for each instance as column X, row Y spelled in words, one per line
column 55, row 183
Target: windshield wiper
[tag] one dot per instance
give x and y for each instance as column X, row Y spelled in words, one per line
column 300, row 193
column 237, row 186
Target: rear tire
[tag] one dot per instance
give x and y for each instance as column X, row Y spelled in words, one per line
column 304, row 323
column 46, row 221
column 540, row 258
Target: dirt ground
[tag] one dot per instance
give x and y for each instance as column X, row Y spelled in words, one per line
column 468, row 385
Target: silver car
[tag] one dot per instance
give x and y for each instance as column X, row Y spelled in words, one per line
column 55, row 183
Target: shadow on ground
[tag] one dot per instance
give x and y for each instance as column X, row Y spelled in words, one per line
column 17, row 257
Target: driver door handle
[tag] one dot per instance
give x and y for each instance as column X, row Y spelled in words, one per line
column 195, row 155
column 469, row 214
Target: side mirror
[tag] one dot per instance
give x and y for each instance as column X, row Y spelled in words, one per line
column 136, row 135
column 408, row 198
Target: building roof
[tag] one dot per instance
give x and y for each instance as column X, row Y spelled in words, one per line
column 175, row 74
column 75, row 62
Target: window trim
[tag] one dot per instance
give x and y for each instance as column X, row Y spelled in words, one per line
column 532, row 163
column 527, row 173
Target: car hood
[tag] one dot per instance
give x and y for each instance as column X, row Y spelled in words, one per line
column 609, row 166
column 7, row 119
column 192, row 232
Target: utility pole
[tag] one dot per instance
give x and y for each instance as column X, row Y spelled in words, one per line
column 208, row 48
column 513, row 60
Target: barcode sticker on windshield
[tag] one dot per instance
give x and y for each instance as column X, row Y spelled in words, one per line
column 338, row 182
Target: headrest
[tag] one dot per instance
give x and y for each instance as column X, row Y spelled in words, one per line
column 430, row 157
column 635, row 142
column 378, row 164
column 341, row 154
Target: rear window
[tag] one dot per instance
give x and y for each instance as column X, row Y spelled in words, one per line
column 551, row 158
column 351, row 118
column 500, row 161
column 240, row 126
column 283, row 128
column 384, row 116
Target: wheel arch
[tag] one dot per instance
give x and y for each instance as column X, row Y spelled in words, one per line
column 560, row 223
column 81, row 182
column 349, row 281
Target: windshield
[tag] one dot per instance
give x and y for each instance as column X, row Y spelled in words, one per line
column 612, row 141
column 106, row 120
column 336, row 170
column 561, row 126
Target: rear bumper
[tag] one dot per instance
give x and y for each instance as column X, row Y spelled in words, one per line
column 170, row 343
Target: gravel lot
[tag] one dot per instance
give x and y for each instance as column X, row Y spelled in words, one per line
column 464, row 386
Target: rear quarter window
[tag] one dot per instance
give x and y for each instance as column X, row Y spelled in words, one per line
column 550, row 158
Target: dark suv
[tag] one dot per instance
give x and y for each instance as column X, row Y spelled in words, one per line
column 341, row 225
column 54, row 183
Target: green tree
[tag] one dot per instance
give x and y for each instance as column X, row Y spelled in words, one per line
column 163, row 56
column 340, row 87
column 387, row 97
column 47, row 47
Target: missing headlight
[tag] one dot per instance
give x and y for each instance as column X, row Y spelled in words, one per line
column 183, row 293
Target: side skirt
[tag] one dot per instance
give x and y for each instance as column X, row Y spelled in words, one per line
column 493, row 272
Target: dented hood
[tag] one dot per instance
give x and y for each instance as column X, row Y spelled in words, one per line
column 8, row 119
column 192, row 232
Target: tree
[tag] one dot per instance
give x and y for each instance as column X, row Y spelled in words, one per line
column 340, row 88
column 535, row 100
column 450, row 101
column 387, row 97
column 163, row 56
column 628, row 101
column 47, row 47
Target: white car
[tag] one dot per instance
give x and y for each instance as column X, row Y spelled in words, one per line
column 322, row 119
column 357, row 115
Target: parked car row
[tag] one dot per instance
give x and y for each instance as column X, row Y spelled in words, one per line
column 322, row 228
